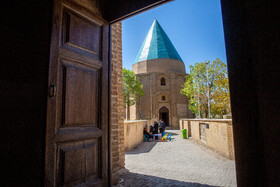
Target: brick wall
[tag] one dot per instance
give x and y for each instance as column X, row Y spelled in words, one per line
column 218, row 137
column 117, row 126
column 230, row 141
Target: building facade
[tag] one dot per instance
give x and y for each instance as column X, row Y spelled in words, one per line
column 162, row 72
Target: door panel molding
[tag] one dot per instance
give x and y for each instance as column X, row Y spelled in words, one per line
column 88, row 30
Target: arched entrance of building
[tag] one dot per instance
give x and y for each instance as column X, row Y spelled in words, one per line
column 164, row 115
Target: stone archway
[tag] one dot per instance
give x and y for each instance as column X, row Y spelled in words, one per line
column 164, row 115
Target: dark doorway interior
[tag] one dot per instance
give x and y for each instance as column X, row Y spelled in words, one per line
column 164, row 115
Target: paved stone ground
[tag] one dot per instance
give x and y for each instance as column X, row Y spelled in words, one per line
column 178, row 162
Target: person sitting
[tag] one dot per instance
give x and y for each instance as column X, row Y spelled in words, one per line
column 147, row 133
column 152, row 129
column 155, row 131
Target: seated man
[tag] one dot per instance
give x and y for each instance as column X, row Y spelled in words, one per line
column 146, row 133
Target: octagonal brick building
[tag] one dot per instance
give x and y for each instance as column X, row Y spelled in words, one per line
column 162, row 73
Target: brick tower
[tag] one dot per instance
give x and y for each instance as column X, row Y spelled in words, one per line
column 162, row 73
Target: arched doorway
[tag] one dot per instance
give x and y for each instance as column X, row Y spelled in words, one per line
column 164, row 115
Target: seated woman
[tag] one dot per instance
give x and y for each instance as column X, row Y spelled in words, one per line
column 152, row 129
column 155, row 131
column 155, row 128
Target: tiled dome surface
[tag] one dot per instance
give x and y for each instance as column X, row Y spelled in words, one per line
column 157, row 45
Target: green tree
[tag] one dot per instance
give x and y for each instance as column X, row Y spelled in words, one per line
column 132, row 89
column 196, row 88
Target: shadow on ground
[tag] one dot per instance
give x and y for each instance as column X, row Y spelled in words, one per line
column 144, row 147
column 172, row 133
column 129, row 179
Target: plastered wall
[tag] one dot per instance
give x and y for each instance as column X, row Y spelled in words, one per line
column 218, row 137
column 133, row 133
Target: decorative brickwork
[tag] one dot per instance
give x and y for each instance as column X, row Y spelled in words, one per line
column 152, row 106
column 117, row 130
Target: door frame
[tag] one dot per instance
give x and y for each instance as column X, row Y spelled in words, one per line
column 167, row 114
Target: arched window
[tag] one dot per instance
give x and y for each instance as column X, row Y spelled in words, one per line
column 162, row 81
column 163, row 98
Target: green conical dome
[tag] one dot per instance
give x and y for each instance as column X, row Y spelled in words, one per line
column 157, row 45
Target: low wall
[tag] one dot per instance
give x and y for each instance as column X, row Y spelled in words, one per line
column 133, row 132
column 215, row 134
column 185, row 124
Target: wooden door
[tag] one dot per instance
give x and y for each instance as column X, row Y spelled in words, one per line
column 77, row 113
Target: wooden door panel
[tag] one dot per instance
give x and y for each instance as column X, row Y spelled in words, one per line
column 78, row 162
column 80, row 96
column 77, row 125
column 77, row 133
column 78, row 30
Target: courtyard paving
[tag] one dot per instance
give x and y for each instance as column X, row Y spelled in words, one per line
column 179, row 162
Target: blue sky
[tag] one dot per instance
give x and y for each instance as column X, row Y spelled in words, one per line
column 194, row 26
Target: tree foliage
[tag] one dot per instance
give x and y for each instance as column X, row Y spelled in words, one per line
column 132, row 88
column 196, row 84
